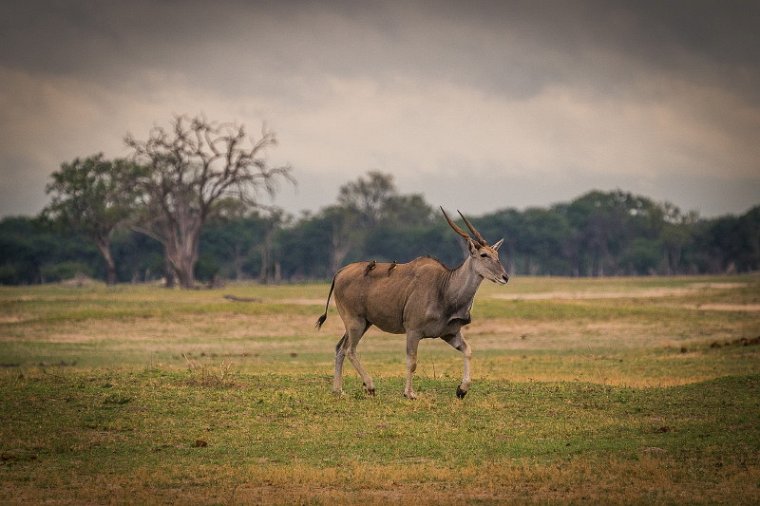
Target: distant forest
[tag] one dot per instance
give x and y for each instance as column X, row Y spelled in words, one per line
column 597, row 234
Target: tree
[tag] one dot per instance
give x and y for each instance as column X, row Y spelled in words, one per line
column 369, row 208
column 368, row 197
column 271, row 266
column 747, row 247
column 305, row 250
column 361, row 206
column 189, row 170
column 346, row 233
column 676, row 234
column 89, row 196
column 542, row 234
column 138, row 257
column 232, row 241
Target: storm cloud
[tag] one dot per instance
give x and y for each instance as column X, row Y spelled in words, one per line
column 478, row 105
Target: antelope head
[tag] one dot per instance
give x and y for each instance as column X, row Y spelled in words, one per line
column 484, row 257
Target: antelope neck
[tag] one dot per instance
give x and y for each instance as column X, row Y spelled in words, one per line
column 463, row 283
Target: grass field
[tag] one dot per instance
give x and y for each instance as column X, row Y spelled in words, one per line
column 620, row 390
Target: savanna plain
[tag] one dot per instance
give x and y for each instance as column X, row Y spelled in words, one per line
column 616, row 390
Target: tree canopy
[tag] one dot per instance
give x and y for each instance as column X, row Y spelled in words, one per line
column 598, row 233
column 92, row 196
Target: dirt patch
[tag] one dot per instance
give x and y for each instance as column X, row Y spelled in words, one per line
column 648, row 293
column 221, row 328
column 752, row 308
column 719, row 286
column 300, row 302
column 10, row 319
column 516, row 334
column 641, row 294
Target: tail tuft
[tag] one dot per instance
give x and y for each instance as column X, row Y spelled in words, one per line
column 322, row 318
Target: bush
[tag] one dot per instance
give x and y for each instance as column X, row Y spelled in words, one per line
column 64, row 270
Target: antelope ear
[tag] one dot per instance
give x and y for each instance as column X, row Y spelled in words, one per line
column 498, row 244
column 473, row 246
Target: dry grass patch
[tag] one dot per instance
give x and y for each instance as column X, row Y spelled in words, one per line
column 648, row 479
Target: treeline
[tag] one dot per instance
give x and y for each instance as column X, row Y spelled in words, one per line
column 597, row 234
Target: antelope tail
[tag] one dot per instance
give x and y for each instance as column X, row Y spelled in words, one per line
column 322, row 318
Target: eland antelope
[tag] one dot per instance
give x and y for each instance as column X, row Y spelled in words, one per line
column 422, row 299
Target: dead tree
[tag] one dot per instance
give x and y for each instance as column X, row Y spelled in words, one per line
column 190, row 168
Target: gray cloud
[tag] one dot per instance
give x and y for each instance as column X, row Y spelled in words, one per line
column 545, row 96
column 504, row 46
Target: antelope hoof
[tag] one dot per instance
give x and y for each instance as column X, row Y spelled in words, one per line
column 461, row 393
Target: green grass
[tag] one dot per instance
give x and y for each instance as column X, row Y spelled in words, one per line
column 585, row 391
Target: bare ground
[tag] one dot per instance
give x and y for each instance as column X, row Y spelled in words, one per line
column 643, row 293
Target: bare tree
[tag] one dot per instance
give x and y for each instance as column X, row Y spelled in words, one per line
column 190, row 169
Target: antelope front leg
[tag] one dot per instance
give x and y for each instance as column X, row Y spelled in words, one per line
column 458, row 342
column 412, row 343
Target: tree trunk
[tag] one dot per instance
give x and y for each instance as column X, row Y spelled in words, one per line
column 277, row 272
column 237, row 261
column 182, row 264
column 264, row 272
column 104, row 246
column 182, row 252
column 186, row 276
column 171, row 280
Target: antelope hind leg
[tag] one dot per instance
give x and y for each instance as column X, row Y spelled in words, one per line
column 340, row 355
column 355, row 334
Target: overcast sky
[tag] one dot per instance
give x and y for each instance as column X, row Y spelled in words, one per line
column 477, row 105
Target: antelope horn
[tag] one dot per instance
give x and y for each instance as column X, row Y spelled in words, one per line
column 454, row 225
column 473, row 230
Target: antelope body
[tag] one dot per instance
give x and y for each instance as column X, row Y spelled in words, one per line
column 422, row 299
